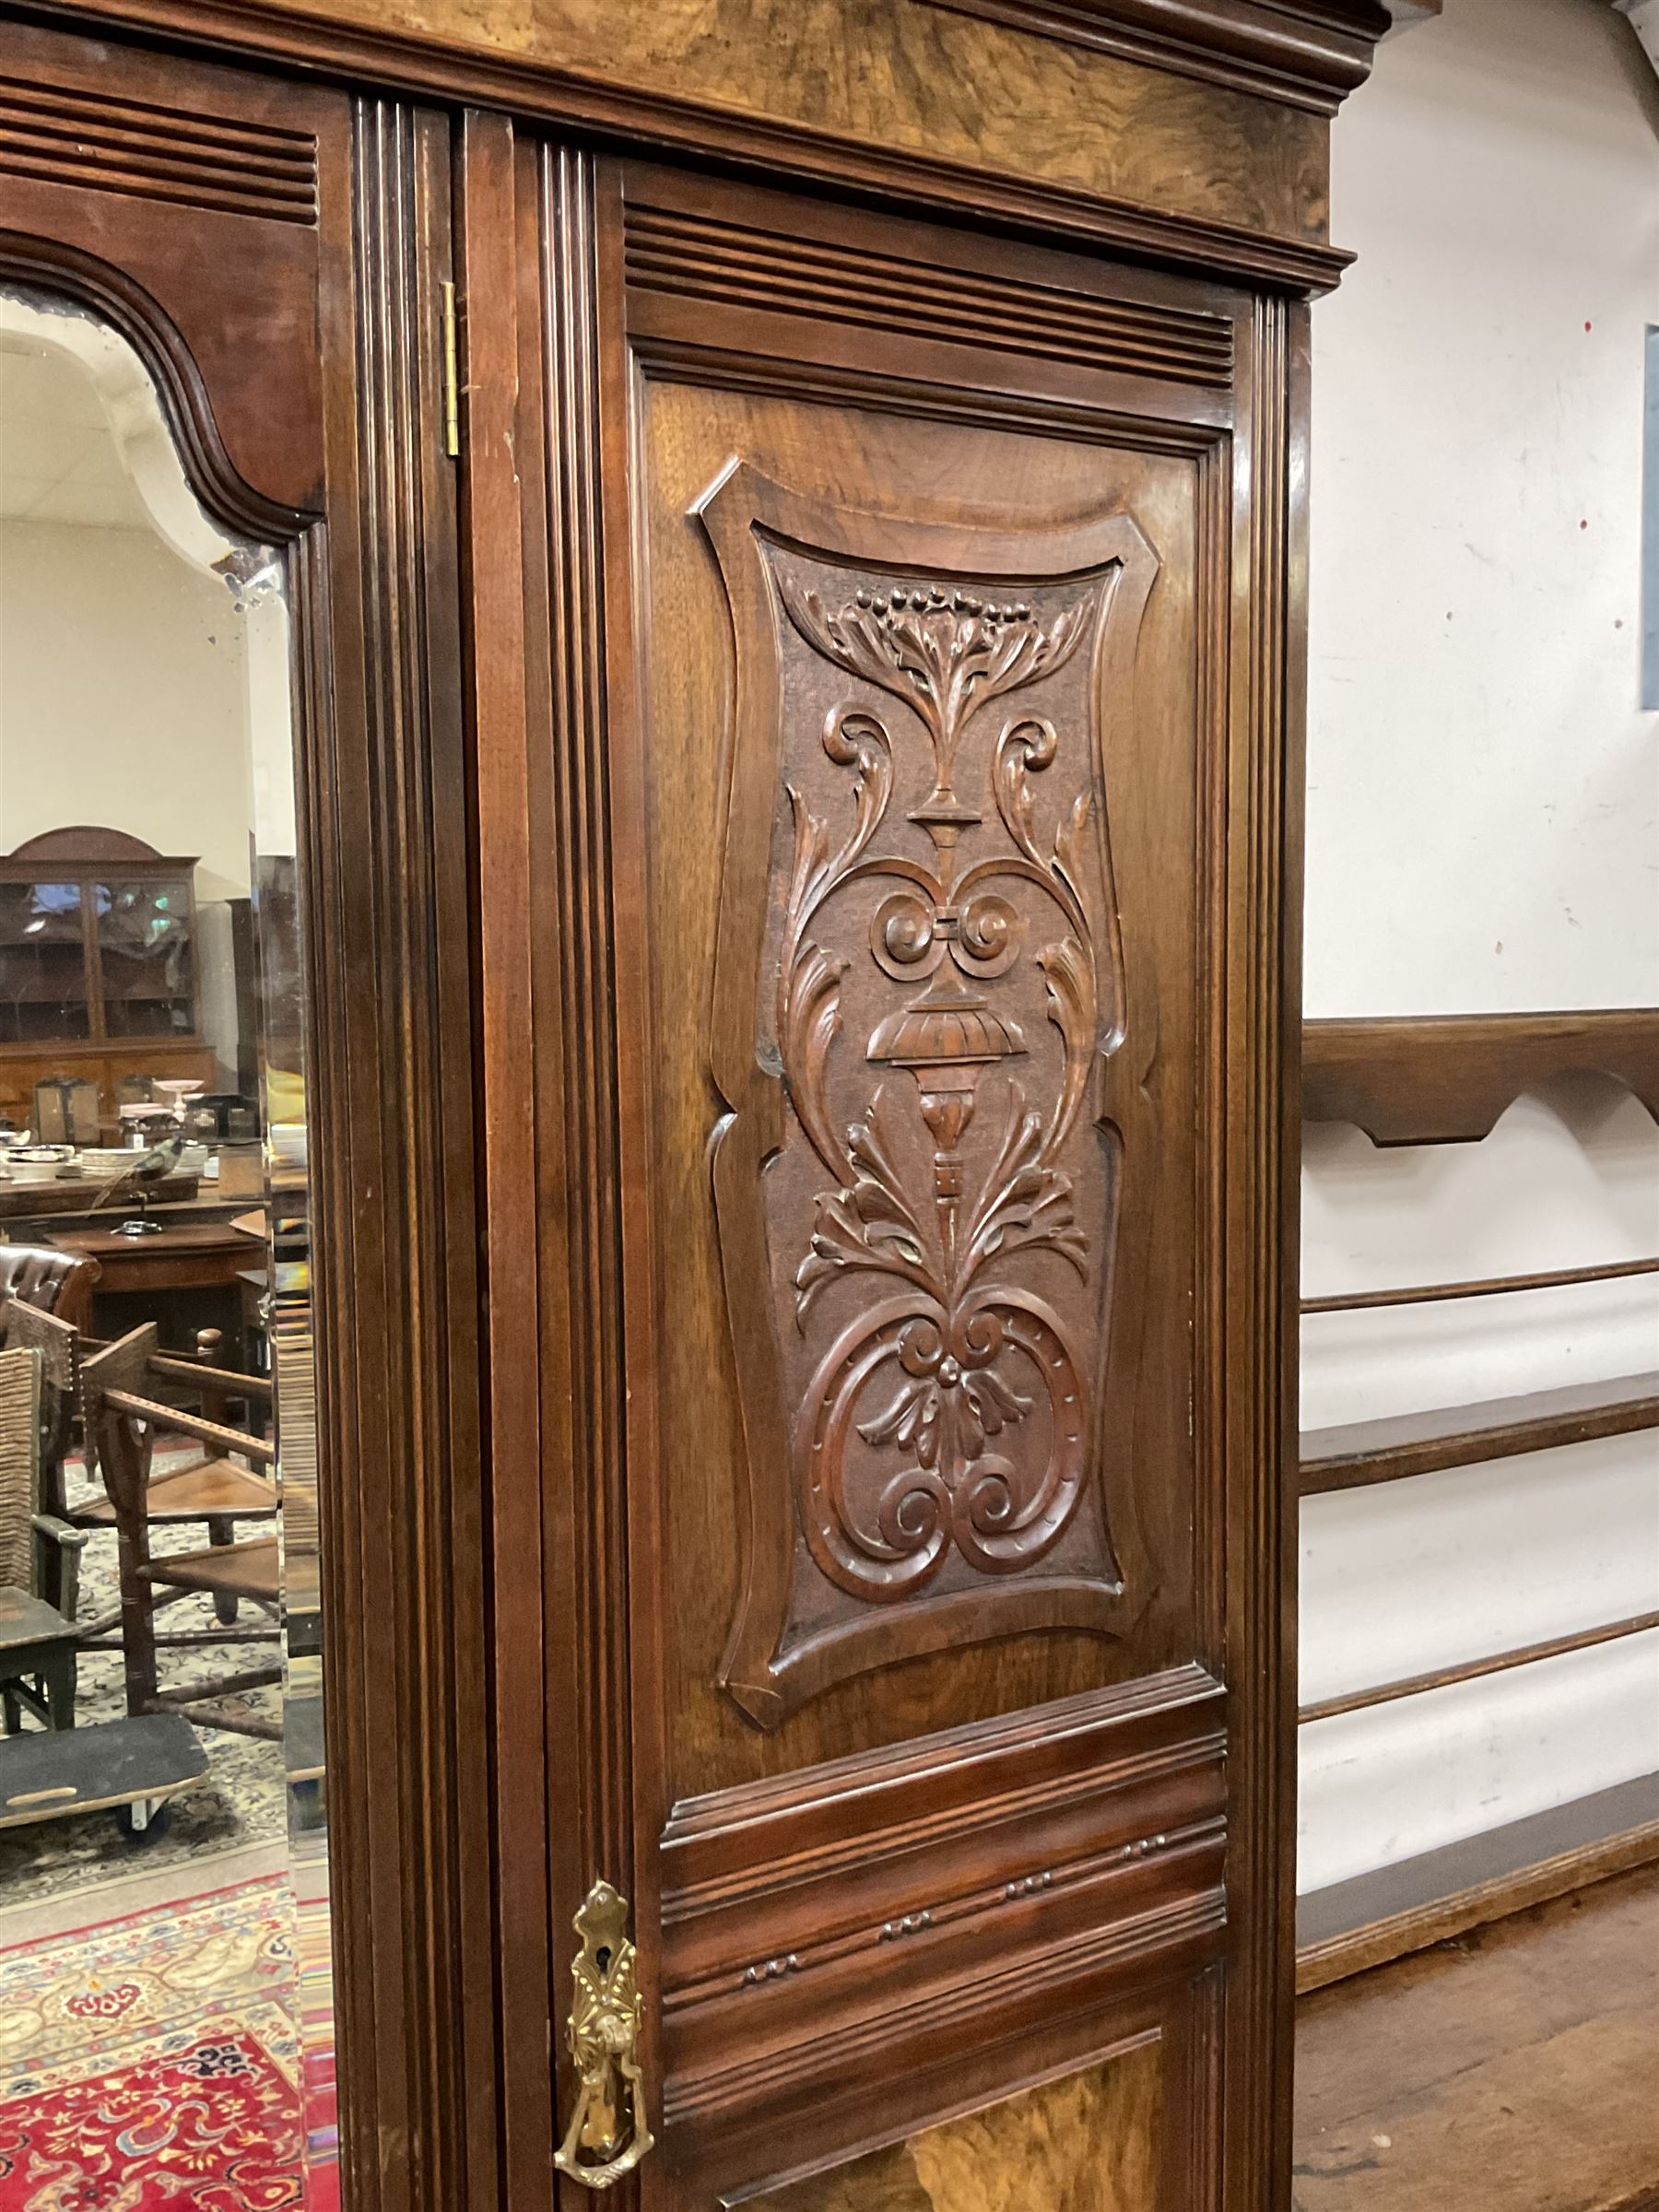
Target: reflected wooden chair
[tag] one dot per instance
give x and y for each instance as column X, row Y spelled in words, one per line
column 40, row 1556
column 120, row 1387
column 46, row 1300
column 57, row 1344
column 215, row 1490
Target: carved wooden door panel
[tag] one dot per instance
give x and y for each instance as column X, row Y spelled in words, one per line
column 886, row 930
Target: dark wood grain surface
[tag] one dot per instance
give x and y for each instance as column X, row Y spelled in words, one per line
column 183, row 203
column 883, row 1792
column 1026, row 1804
column 387, row 854
column 271, row 249
column 1311, row 56
column 1206, row 168
column 183, row 1255
column 1511, row 2071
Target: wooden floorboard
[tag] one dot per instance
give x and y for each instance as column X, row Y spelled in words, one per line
column 1514, row 2069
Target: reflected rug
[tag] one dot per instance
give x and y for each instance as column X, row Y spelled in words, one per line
column 152, row 2064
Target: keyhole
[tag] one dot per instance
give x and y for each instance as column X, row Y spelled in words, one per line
column 602, row 1958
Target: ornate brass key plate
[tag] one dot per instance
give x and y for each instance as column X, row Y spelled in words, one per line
column 607, row 2135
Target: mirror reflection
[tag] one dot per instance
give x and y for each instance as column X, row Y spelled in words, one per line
column 166, row 2032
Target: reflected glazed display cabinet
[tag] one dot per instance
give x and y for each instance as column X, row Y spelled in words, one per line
column 794, row 513
column 98, row 979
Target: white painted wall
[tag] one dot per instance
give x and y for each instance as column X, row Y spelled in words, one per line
column 1482, row 837
column 140, row 690
column 123, row 696
column 1482, row 786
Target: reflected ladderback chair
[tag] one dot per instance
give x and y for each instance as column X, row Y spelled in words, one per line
column 58, row 1342
column 212, row 1489
column 121, row 1386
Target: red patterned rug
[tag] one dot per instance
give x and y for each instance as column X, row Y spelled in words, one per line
column 212, row 2127
column 154, row 2064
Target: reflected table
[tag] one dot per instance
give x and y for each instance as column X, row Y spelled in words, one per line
column 183, row 1278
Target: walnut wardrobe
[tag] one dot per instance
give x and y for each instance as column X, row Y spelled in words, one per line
column 795, row 517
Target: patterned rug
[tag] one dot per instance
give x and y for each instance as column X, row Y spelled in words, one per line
column 213, row 2126
column 153, row 2063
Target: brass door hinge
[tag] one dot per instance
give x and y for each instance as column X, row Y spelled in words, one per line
column 452, row 375
column 607, row 2135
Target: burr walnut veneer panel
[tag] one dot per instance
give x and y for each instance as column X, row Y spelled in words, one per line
column 1084, row 2143
column 1193, row 129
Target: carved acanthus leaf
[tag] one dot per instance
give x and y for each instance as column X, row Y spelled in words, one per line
column 995, row 1403
column 1070, row 847
column 859, row 741
column 1026, row 1204
column 870, row 1224
column 1028, row 747
column 1069, row 973
column 811, row 860
column 809, row 980
column 910, row 1421
column 1029, row 744
column 913, row 1418
column 945, row 654
column 811, row 1019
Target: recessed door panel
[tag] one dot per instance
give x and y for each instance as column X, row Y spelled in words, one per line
column 899, row 711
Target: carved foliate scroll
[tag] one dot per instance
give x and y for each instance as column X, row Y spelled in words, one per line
column 921, row 992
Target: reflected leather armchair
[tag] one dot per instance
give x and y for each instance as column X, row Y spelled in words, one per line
column 53, row 1281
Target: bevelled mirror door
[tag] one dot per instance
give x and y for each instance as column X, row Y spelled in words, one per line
column 235, row 1013
column 166, row 2018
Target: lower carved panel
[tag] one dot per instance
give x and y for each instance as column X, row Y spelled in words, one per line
column 1088, row 2142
